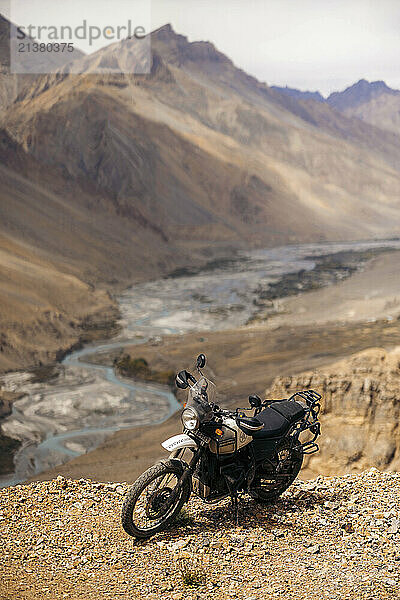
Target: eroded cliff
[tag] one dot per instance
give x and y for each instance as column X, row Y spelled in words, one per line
column 360, row 410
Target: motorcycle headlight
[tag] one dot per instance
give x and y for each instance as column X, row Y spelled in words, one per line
column 190, row 419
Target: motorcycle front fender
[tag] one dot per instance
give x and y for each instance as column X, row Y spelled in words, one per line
column 179, row 441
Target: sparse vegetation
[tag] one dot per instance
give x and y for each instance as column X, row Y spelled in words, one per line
column 192, row 571
column 184, row 518
column 329, row 269
column 97, row 328
column 139, row 368
column 44, row 373
column 8, row 447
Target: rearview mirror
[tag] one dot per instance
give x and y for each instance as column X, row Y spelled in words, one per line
column 181, row 380
column 201, row 361
column 255, row 401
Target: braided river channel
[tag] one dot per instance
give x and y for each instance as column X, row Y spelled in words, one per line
column 75, row 410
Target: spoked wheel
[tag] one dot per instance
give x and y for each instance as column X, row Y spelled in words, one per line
column 154, row 500
column 269, row 486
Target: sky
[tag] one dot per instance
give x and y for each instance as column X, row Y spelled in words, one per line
column 323, row 45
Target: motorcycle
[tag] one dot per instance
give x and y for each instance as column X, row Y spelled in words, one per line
column 222, row 453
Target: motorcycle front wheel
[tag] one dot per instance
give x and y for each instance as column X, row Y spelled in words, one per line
column 154, row 500
column 268, row 487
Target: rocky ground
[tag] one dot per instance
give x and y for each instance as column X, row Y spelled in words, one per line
column 330, row 538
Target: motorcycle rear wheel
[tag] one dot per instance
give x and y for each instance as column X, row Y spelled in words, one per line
column 267, row 489
column 147, row 508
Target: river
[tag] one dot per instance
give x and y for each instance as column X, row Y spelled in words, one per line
column 85, row 402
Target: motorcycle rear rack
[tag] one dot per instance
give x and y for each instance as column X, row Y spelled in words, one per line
column 310, row 420
column 310, row 397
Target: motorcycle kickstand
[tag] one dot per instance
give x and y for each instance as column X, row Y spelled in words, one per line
column 235, row 505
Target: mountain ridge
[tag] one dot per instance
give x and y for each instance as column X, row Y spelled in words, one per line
column 12, row 84
column 359, row 93
column 227, row 78
column 374, row 103
column 295, row 93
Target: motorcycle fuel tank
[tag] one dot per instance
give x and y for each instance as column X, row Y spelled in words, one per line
column 228, row 438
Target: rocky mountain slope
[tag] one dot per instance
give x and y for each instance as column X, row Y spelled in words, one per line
column 57, row 262
column 203, row 151
column 373, row 102
column 12, row 84
column 299, row 94
column 110, row 178
column 360, row 410
column 330, row 538
column 360, row 93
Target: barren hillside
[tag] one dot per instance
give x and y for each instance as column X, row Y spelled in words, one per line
column 57, row 262
column 12, row 84
column 199, row 143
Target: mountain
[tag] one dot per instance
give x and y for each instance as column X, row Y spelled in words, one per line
column 10, row 84
column 111, row 177
column 360, row 93
column 205, row 152
column 374, row 103
column 62, row 247
column 300, row 95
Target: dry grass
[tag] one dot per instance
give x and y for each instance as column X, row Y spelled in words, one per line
column 192, row 569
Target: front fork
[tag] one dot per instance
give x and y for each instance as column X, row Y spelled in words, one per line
column 187, row 470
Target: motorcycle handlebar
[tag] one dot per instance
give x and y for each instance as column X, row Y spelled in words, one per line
column 219, row 412
column 190, row 376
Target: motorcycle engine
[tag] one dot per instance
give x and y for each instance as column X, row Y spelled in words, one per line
column 207, row 480
column 215, row 477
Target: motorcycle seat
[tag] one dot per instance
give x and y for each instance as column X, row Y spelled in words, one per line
column 277, row 419
column 292, row 411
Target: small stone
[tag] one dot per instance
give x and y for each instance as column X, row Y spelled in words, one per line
column 394, row 526
column 278, row 533
column 314, row 549
column 178, row 545
column 348, row 527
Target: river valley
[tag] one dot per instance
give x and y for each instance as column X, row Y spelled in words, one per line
column 84, row 401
